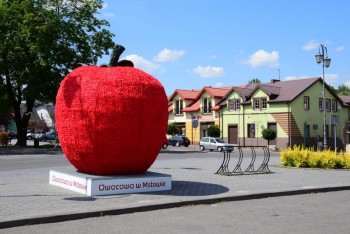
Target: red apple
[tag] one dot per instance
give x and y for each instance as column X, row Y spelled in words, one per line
column 111, row 120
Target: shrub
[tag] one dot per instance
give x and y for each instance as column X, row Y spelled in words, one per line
column 3, row 134
column 213, row 131
column 3, row 137
column 172, row 129
column 269, row 134
column 306, row 157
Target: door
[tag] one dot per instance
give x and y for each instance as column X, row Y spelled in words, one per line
column 273, row 127
column 233, row 134
column 212, row 144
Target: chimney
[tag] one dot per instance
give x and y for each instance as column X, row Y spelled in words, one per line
column 274, row 81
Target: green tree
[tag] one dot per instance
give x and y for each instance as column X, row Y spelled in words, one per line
column 254, row 81
column 269, row 134
column 213, row 131
column 333, row 88
column 5, row 106
column 41, row 42
column 172, row 129
column 343, row 90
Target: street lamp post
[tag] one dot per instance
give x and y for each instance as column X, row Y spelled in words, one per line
column 326, row 62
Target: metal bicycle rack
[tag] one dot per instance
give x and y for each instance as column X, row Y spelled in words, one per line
column 262, row 169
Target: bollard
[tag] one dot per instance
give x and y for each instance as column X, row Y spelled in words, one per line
column 36, row 143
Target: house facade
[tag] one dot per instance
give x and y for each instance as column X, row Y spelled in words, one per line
column 293, row 108
column 188, row 105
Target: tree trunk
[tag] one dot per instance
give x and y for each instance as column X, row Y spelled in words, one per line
column 21, row 122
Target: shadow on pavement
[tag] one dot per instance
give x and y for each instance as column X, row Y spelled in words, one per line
column 190, row 188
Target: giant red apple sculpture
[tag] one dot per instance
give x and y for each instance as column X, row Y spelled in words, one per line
column 111, row 120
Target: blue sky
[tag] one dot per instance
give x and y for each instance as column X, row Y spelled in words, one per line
column 188, row 44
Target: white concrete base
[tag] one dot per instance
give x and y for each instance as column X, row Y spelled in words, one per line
column 347, row 148
column 93, row 185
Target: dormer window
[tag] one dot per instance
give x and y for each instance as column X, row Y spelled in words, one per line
column 234, row 105
column 178, row 107
column 206, row 106
column 259, row 103
column 263, row 103
column 256, row 103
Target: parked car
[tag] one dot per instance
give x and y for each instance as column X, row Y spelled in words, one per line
column 12, row 134
column 214, row 143
column 179, row 140
column 29, row 135
column 166, row 143
column 38, row 135
column 50, row 136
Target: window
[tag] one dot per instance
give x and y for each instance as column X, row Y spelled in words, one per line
column 259, row 103
column 320, row 104
column 263, row 103
column 306, row 102
column 206, row 105
column 238, row 104
column 234, row 105
column 256, row 103
column 251, row 130
column 231, row 105
column 334, row 105
column 178, row 107
column 328, row 104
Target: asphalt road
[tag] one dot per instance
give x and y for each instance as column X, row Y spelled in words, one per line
column 32, row 161
column 310, row 213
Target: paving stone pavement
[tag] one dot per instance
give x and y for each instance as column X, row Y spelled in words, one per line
column 26, row 196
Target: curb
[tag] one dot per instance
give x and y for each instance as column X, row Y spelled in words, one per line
column 76, row 216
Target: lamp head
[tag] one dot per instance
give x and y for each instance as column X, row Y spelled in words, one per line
column 319, row 58
column 327, row 62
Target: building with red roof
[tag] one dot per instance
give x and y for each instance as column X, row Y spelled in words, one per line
column 293, row 108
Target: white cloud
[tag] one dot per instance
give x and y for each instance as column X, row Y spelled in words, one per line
column 340, row 48
column 329, row 78
column 144, row 64
column 219, row 84
column 310, row 45
column 295, row 77
column 347, row 83
column 208, row 71
column 104, row 5
column 262, row 58
column 107, row 14
column 167, row 55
